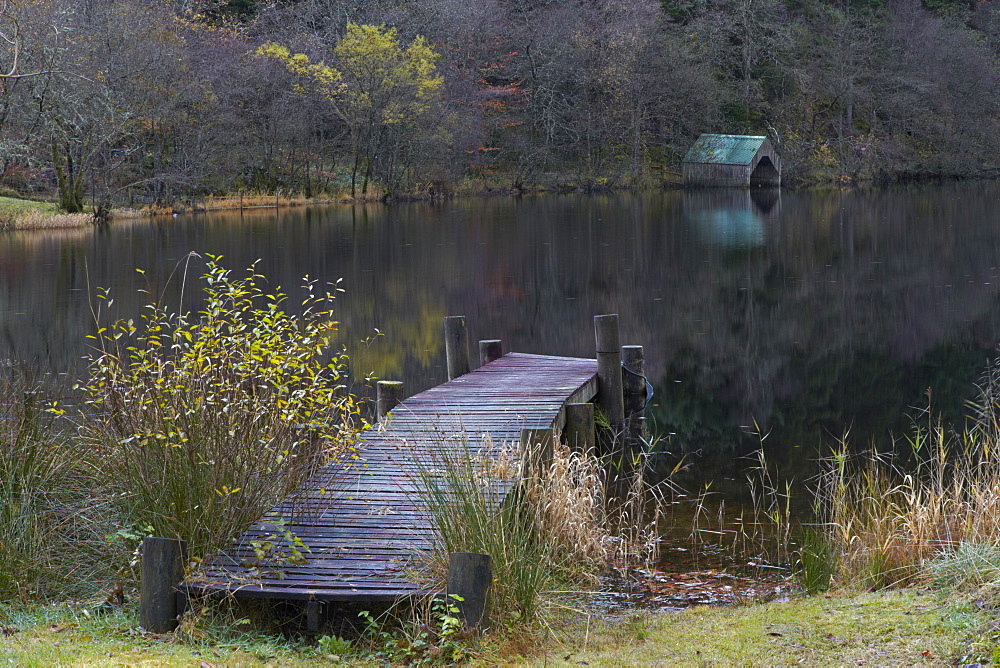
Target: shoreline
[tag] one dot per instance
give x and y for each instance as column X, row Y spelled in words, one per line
column 17, row 214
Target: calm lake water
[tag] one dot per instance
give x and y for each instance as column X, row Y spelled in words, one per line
column 807, row 314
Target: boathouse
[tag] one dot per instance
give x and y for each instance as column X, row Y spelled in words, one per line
column 739, row 161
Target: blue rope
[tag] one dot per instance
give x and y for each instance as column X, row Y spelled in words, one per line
column 649, row 386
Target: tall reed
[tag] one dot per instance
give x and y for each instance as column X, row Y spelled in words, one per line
column 29, row 472
column 46, row 529
column 32, row 220
column 542, row 523
column 891, row 514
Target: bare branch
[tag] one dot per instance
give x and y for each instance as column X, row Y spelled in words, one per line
column 11, row 35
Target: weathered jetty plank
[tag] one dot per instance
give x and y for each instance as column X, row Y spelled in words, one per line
column 364, row 525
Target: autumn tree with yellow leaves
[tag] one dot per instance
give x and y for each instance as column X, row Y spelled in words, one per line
column 387, row 96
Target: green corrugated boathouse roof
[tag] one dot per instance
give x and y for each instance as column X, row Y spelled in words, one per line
column 725, row 149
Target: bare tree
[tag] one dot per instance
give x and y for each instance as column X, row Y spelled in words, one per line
column 11, row 44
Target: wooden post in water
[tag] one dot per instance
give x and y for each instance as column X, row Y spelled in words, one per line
column 162, row 571
column 490, row 350
column 536, row 449
column 634, row 387
column 470, row 575
column 609, row 369
column 456, row 346
column 388, row 395
column 579, row 432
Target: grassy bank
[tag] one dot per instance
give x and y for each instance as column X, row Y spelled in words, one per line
column 23, row 214
column 234, row 202
column 900, row 627
column 75, row 634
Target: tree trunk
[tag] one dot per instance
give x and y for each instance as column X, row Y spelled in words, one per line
column 68, row 180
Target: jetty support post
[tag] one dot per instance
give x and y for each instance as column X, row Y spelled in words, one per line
column 388, row 395
column 634, row 387
column 579, row 431
column 456, row 346
column 490, row 350
column 609, row 369
column 536, row 450
column 162, row 572
column 314, row 615
column 470, row 575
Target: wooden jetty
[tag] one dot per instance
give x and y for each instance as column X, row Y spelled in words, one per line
column 363, row 523
column 362, row 519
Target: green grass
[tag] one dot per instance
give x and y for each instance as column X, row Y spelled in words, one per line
column 62, row 634
column 899, row 627
column 14, row 206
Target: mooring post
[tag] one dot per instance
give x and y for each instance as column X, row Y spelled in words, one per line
column 470, row 575
column 162, row 571
column 536, row 450
column 609, row 368
column 490, row 350
column 388, row 395
column 456, row 346
column 580, row 428
column 634, row 386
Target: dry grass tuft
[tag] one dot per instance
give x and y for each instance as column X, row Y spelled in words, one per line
column 543, row 525
column 34, row 220
column 569, row 500
column 251, row 201
column 128, row 212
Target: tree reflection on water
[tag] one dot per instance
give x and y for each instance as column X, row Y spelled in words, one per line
column 807, row 314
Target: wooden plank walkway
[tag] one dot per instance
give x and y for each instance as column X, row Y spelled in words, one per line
column 363, row 525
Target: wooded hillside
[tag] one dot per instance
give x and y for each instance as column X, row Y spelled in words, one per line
column 112, row 101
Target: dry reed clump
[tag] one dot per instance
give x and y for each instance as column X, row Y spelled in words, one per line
column 569, row 500
column 589, row 527
column 120, row 213
column 43, row 221
column 541, row 524
column 251, row 201
column 890, row 521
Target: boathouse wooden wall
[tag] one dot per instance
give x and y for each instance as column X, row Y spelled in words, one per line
column 707, row 174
